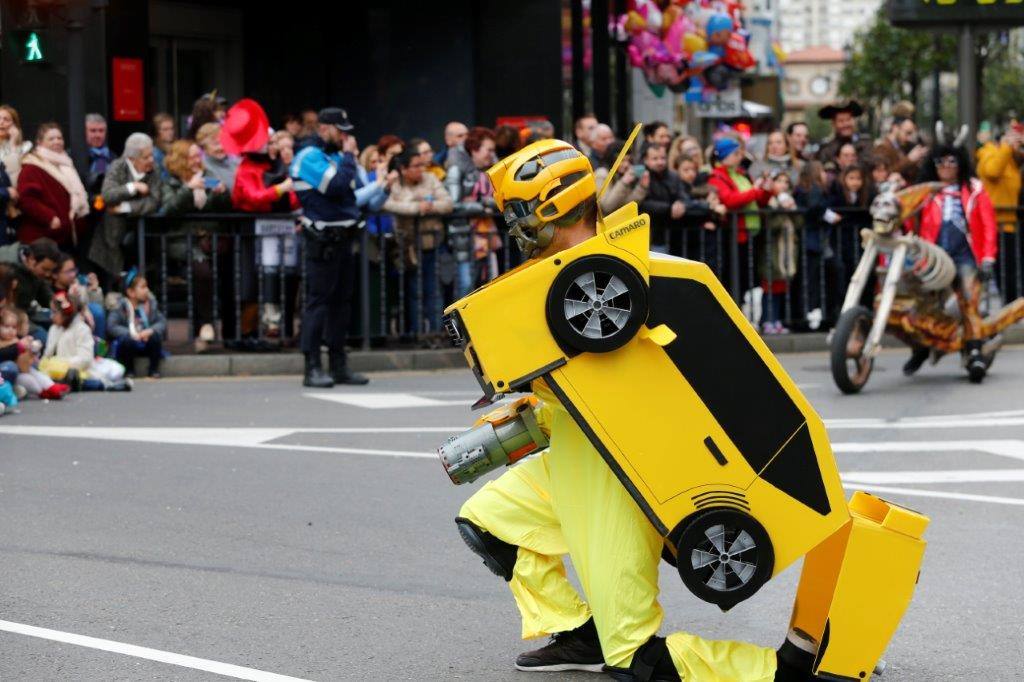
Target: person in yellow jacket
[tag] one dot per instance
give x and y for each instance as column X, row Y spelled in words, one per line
column 999, row 167
column 568, row 501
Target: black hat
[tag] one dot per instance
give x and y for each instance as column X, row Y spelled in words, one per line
column 336, row 117
column 849, row 105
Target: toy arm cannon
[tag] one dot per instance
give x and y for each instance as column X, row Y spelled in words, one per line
column 501, row 437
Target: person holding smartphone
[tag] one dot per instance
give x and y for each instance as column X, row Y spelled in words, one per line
column 630, row 184
column 999, row 168
column 667, row 200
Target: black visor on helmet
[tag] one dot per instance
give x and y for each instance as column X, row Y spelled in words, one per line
column 520, row 211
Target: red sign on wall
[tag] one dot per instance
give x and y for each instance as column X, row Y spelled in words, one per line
column 129, row 95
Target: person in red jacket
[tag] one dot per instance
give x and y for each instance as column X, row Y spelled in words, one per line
column 738, row 193
column 262, row 185
column 960, row 218
column 52, row 199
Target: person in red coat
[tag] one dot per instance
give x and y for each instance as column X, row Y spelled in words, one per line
column 739, row 194
column 960, row 218
column 52, row 199
column 262, row 185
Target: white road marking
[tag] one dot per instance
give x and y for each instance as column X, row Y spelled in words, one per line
column 385, row 401
column 942, row 421
column 254, row 438
column 258, row 438
column 227, row 669
column 952, row 476
column 915, row 423
column 1013, row 449
column 949, row 495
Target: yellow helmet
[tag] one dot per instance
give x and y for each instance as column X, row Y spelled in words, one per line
column 541, row 185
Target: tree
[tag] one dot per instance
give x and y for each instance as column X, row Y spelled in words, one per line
column 1002, row 81
column 888, row 64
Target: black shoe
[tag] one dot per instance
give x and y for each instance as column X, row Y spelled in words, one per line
column 576, row 649
column 918, row 356
column 342, row 374
column 651, row 663
column 120, row 386
column 315, row 376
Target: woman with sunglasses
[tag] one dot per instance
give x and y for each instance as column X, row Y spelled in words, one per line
column 961, row 220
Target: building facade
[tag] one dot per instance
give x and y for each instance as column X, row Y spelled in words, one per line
column 398, row 67
column 811, row 81
column 830, row 23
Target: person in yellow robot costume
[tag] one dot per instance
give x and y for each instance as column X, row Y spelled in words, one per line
column 567, row 500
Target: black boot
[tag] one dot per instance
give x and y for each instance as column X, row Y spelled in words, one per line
column 918, row 354
column 974, row 361
column 73, row 379
column 577, row 649
column 795, row 659
column 315, row 375
column 342, row 374
column 652, row 662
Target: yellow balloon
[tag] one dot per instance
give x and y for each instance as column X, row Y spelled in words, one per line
column 693, row 43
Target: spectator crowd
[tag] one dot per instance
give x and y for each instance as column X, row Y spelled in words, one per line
column 777, row 214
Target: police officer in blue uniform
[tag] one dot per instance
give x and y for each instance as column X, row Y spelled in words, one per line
column 325, row 178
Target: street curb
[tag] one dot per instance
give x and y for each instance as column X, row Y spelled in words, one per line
column 261, row 364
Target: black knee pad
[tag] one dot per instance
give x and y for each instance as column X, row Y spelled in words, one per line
column 498, row 555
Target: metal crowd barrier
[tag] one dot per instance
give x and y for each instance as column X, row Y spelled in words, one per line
column 215, row 268
column 225, row 268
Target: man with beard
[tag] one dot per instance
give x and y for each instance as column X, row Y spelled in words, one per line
column 843, row 115
column 901, row 149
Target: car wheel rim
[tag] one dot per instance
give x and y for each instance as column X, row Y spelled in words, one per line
column 597, row 305
column 726, row 559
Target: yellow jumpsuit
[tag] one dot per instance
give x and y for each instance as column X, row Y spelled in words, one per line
column 567, row 501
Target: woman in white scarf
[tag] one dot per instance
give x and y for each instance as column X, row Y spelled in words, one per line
column 50, row 193
column 49, row 155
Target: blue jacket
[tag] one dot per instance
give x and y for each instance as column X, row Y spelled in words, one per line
column 326, row 182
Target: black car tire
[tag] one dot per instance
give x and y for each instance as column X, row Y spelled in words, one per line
column 596, row 304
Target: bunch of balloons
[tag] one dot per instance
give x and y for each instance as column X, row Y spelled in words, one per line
column 690, row 46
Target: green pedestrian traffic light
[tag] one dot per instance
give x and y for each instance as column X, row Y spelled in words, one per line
column 33, row 50
column 31, row 46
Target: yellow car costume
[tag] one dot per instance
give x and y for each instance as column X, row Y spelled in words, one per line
column 668, row 429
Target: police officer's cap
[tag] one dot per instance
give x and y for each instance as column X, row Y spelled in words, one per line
column 336, row 117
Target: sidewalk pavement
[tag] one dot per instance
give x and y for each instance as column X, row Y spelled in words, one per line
column 290, row 362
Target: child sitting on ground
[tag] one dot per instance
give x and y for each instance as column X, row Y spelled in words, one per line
column 8, row 401
column 137, row 327
column 36, row 383
column 70, row 348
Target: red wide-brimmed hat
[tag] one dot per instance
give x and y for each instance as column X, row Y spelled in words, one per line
column 245, row 128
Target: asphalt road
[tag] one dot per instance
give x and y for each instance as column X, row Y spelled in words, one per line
column 237, row 521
